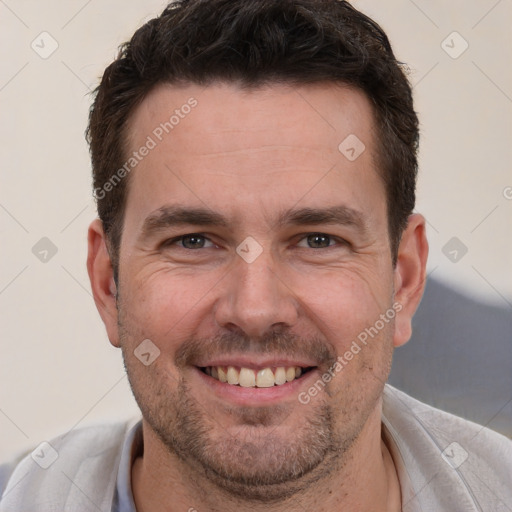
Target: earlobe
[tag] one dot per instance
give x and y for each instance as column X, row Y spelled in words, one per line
column 101, row 276
column 410, row 275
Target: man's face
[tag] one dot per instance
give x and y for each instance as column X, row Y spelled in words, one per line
column 251, row 240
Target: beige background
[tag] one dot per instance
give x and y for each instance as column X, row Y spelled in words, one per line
column 57, row 368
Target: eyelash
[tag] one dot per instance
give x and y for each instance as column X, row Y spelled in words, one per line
column 332, row 238
column 337, row 240
column 175, row 240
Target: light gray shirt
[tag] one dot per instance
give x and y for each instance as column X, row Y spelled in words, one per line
column 444, row 464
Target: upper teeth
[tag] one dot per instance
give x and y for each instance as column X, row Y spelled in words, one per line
column 248, row 378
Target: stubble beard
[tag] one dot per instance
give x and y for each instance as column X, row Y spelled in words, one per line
column 258, row 461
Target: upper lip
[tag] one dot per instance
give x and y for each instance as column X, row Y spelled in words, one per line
column 255, row 362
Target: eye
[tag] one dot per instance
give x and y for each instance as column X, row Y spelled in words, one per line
column 190, row 241
column 318, row 241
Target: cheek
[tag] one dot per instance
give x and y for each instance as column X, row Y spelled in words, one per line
column 344, row 304
column 164, row 305
column 347, row 307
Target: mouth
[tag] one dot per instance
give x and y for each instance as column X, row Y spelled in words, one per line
column 263, row 377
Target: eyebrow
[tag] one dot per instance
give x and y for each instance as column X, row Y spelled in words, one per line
column 342, row 215
column 169, row 216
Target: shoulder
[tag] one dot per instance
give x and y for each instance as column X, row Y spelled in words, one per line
column 54, row 468
column 6, row 470
column 440, row 424
column 473, row 457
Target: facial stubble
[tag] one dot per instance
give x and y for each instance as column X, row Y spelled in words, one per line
column 260, row 454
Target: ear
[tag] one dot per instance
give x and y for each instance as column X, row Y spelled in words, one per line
column 409, row 276
column 101, row 275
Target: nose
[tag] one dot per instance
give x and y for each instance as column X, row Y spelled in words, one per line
column 256, row 299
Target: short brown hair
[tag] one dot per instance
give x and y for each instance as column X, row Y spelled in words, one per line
column 256, row 42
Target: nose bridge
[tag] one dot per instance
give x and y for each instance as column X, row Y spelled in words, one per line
column 255, row 299
column 257, row 284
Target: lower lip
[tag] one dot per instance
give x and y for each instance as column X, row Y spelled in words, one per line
column 257, row 396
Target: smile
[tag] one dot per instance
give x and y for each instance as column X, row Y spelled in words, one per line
column 250, row 378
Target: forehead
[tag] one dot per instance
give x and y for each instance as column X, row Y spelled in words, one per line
column 325, row 112
column 225, row 147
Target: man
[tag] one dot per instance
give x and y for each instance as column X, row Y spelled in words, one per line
column 257, row 261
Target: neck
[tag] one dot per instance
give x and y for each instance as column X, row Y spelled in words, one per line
column 366, row 480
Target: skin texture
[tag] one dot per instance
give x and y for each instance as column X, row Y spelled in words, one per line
column 252, row 156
